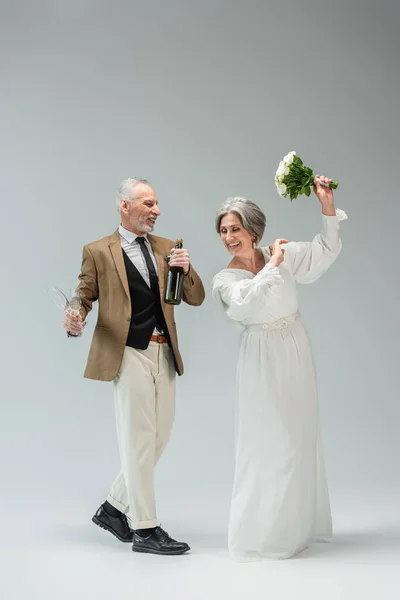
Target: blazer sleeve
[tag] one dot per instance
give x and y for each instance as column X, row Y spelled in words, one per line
column 193, row 289
column 88, row 282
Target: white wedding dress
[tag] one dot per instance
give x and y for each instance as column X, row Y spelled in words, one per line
column 280, row 498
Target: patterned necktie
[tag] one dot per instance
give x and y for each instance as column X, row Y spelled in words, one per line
column 150, row 265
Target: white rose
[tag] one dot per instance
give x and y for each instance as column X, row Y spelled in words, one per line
column 281, row 169
column 289, row 158
column 281, row 189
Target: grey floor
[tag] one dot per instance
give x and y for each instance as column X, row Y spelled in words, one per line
column 62, row 555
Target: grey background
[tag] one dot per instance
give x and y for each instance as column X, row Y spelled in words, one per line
column 203, row 99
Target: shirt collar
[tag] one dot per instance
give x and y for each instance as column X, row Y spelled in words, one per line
column 129, row 236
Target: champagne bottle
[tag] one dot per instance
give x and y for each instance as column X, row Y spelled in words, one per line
column 174, row 287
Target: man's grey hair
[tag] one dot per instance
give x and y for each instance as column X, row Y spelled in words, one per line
column 126, row 190
column 251, row 216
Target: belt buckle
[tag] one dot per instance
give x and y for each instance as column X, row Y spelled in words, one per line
column 159, row 339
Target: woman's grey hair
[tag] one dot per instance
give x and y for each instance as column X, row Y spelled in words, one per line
column 251, row 216
column 126, row 190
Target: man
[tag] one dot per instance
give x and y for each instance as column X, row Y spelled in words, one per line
column 135, row 345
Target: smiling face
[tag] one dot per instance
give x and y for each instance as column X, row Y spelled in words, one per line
column 236, row 239
column 140, row 215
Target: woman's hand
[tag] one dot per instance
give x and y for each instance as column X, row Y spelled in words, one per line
column 277, row 253
column 325, row 195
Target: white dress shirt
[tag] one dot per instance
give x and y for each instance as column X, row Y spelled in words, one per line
column 134, row 253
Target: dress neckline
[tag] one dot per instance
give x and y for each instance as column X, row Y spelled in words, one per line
column 267, row 257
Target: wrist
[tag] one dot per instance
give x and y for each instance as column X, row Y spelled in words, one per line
column 328, row 208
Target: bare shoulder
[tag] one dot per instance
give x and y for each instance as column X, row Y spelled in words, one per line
column 233, row 264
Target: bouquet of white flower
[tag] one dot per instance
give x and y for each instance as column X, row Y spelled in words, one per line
column 293, row 177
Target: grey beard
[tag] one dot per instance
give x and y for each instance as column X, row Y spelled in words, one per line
column 143, row 227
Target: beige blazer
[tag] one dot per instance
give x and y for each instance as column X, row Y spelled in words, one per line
column 103, row 278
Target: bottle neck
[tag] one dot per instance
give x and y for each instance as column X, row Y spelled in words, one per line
column 178, row 246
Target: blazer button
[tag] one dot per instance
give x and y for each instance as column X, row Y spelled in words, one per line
column 128, row 318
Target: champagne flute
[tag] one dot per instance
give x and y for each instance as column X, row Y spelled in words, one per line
column 71, row 305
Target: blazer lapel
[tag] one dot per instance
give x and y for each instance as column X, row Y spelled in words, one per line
column 160, row 259
column 116, row 251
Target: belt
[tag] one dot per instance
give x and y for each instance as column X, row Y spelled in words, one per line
column 281, row 323
column 160, row 339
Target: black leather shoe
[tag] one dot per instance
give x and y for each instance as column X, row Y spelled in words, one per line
column 159, row 542
column 118, row 526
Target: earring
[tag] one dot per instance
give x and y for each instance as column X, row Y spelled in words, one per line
column 254, row 242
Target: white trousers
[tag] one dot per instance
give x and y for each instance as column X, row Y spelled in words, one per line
column 144, row 393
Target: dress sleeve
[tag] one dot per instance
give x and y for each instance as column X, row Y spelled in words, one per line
column 309, row 260
column 241, row 298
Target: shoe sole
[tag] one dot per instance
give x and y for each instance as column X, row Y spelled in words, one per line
column 100, row 524
column 151, row 551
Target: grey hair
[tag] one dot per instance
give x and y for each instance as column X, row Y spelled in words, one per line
column 126, row 190
column 251, row 216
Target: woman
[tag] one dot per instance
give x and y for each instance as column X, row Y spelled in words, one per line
column 280, row 499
